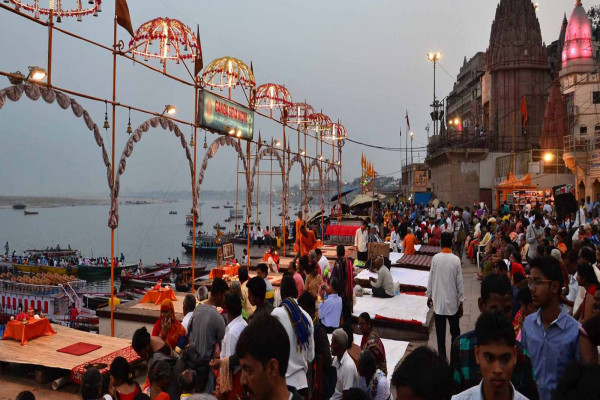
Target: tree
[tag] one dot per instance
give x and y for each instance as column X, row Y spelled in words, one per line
column 594, row 16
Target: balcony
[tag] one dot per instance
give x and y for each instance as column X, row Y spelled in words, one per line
column 455, row 141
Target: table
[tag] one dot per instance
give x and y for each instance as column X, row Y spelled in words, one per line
column 35, row 328
column 157, row 296
column 231, row 270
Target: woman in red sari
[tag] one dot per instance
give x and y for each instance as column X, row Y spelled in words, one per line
column 167, row 326
column 371, row 341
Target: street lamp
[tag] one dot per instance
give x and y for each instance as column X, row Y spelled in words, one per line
column 35, row 74
column 548, row 157
column 434, row 57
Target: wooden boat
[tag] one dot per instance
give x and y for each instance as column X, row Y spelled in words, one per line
column 204, row 244
column 233, row 214
column 19, row 206
column 218, row 226
column 100, row 271
column 53, row 252
column 216, row 207
column 228, row 219
column 188, row 267
column 68, row 270
column 154, row 276
column 30, row 212
column 227, row 205
column 91, row 301
column 173, row 212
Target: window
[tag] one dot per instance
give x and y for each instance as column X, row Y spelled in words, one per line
column 597, row 129
column 583, row 130
column 596, row 97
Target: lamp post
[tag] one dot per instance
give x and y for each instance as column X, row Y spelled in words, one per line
column 411, row 140
column 434, row 57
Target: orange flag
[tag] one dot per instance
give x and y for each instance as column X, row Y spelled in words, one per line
column 123, row 18
column 199, row 63
column 524, row 110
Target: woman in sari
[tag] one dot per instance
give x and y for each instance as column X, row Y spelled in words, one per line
column 167, row 326
column 371, row 341
column 314, row 281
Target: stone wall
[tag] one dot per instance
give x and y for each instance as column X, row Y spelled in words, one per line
column 457, row 182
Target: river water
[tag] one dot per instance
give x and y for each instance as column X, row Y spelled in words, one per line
column 146, row 231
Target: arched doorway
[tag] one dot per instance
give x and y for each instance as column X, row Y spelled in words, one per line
column 581, row 191
column 596, row 189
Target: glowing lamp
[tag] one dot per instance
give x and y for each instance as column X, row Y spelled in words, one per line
column 239, row 133
column 271, row 95
column 37, row 73
column 169, row 109
column 228, row 72
column 277, row 143
column 302, row 152
column 548, row 157
column 165, row 39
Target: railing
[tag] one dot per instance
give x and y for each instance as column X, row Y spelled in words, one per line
column 455, row 140
column 38, row 290
column 582, row 144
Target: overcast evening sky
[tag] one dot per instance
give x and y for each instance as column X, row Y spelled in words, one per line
column 363, row 62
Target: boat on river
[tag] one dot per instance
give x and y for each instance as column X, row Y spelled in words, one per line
column 227, row 205
column 236, row 214
column 205, row 244
column 19, row 206
column 52, row 252
column 45, row 294
column 92, row 301
column 154, row 276
column 30, row 212
column 92, row 272
column 34, row 268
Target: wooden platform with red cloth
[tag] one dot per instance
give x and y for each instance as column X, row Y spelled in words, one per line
column 157, row 296
column 34, row 328
column 341, row 230
column 429, row 250
column 79, row 348
column 218, row 272
column 103, row 363
column 42, row 352
column 414, row 261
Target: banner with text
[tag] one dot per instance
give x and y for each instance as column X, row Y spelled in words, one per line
column 224, row 116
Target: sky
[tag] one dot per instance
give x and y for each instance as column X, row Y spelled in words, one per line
column 362, row 62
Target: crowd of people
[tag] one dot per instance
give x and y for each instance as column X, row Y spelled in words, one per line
column 536, row 336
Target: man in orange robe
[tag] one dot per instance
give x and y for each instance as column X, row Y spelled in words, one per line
column 409, row 242
column 298, row 224
column 308, row 241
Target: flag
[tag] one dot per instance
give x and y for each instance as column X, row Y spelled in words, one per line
column 123, row 18
column 199, row 63
column 524, row 110
column 407, row 121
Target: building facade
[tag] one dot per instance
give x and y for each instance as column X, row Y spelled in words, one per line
column 463, row 106
column 580, row 83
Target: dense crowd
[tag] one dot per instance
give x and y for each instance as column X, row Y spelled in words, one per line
column 536, row 336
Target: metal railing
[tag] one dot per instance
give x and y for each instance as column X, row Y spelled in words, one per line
column 581, row 144
column 455, row 140
column 39, row 290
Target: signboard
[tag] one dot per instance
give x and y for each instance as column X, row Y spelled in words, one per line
column 420, row 178
column 228, row 253
column 224, row 116
column 521, row 197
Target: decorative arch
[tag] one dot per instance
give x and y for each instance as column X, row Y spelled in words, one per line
column 265, row 152
column 34, row 92
column 136, row 136
column 294, row 160
column 210, row 152
column 317, row 163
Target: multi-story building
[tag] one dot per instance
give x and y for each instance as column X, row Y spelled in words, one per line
column 580, row 83
column 463, row 106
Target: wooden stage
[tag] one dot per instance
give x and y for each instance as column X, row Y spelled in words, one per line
column 42, row 350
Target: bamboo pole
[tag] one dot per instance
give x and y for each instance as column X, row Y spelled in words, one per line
column 112, row 230
column 194, row 193
column 248, row 207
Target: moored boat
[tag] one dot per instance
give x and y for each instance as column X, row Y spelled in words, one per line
column 30, row 212
column 154, row 276
column 204, row 244
column 19, row 206
column 33, row 268
column 100, row 271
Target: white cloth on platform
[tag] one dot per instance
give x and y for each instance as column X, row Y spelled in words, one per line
column 404, row 276
column 402, row 307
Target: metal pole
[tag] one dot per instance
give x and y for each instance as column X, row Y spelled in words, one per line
column 435, row 130
column 194, row 187
column 50, row 25
column 283, row 192
column 112, row 230
column 271, row 190
column 248, row 207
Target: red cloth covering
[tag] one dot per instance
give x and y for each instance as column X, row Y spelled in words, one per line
column 79, row 348
column 34, row 328
column 402, row 321
column 341, row 230
column 127, row 353
column 157, row 296
column 231, row 270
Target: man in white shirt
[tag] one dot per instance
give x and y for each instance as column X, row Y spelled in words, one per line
column 547, row 207
column 189, row 304
column 445, row 292
column 535, row 232
column 347, row 375
column 301, row 353
column 323, row 261
column 236, row 325
column 580, row 215
column 361, row 238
